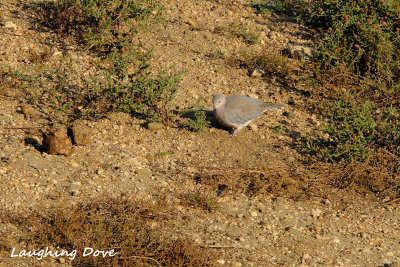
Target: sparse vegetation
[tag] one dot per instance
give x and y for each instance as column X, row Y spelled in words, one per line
column 357, row 131
column 121, row 78
column 196, row 116
column 198, row 199
column 272, row 63
column 101, row 25
column 248, row 36
column 272, row 6
column 120, row 224
column 353, row 78
column 361, row 36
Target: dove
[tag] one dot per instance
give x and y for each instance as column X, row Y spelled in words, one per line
column 237, row 111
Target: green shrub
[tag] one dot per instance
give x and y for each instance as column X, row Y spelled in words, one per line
column 356, row 131
column 100, row 24
column 272, row 6
column 362, row 35
column 122, row 79
column 197, row 117
column 249, row 37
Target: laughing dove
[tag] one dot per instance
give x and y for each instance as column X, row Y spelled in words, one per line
column 237, row 111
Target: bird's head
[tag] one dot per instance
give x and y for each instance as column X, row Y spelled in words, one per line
column 218, row 100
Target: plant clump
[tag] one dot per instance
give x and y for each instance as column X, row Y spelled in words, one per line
column 122, row 79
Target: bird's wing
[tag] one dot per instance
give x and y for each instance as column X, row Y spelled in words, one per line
column 241, row 109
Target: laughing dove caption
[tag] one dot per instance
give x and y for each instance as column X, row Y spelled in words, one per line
column 237, row 111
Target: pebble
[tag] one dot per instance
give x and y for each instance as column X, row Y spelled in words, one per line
column 143, row 173
column 25, row 109
column 191, row 23
column 305, row 258
column 254, row 213
column 10, row 25
column 316, row 213
column 253, row 127
column 80, row 134
column 222, row 262
column 299, row 51
column 257, row 72
column 289, row 114
column 154, row 126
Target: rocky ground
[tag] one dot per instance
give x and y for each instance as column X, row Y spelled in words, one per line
column 282, row 223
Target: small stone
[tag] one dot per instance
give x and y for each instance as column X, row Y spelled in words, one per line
column 316, row 213
column 237, row 264
column 80, row 133
column 191, row 23
column 35, row 117
column 62, row 260
column 154, row 126
column 143, row 172
column 221, row 261
column 25, row 109
column 257, row 72
column 253, row 96
column 328, row 262
column 305, row 258
column 56, row 142
column 254, row 213
column 74, row 186
column 253, row 127
column 10, row 25
column 298, row 51
column 289, row 114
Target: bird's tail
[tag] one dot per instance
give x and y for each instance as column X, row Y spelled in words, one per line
column 268, row 106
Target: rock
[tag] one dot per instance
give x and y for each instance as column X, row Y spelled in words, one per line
column 191, row 23
column 305, row 258
column 79, row 133
column 25, row 109
column 221, row 261
column 328, row 261
column 143, row 172
column 254, row 213
column 10, row 25
column 298, row 51
column 316, row 213
column 154, row 126
column 257, row 72
column 289, row 114
column 56, row 142
column 253, row 127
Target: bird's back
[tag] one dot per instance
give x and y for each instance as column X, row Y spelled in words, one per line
column 241, row 109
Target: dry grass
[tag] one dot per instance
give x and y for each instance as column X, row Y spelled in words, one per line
column 379, row 174
column 275, row 180
column 200, row 200
column 135, row 229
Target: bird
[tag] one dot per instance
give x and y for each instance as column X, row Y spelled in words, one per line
column 237, row 111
